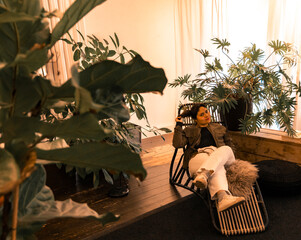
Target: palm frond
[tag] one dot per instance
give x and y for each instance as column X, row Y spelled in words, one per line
column 279, row 47
column 268, row 117
column 223, row 44
column 251, row 124
column 204, row 52
column 180, row 81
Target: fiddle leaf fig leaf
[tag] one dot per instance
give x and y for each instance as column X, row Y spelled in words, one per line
column 74, row 13
column 24, row 37
column 7, row 17
column 33, row 59
column 114, row 106
column 107, row 103
column 20, row 128
column 9, row 172
column 83, row 98
column 82, row 126
column 25, row 87
column 31, row 7
column 138, row 76
column 96, row 155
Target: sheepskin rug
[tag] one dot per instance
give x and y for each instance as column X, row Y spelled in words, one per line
column 241, row 176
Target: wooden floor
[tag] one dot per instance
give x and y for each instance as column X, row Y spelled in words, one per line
column 154, row 192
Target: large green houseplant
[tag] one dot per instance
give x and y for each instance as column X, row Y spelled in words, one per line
column 97, row 91
column 253, row 79
column 90, row 50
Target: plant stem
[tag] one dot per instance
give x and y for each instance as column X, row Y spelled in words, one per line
column 5, row 216
column 268, row 57
column 228, row 57
column 13, row 97
column 15, row 212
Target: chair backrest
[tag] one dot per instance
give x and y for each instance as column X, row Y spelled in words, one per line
column 188, row 121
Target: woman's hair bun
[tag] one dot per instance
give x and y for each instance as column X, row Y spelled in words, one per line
column 186, row 113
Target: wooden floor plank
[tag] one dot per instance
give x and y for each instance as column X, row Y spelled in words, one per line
column 154, row 192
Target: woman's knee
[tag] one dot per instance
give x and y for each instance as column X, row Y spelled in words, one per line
column 227, row 151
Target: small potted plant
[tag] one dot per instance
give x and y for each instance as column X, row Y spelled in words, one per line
column 260, row 85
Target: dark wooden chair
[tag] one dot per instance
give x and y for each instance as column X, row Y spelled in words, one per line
column 249, row 217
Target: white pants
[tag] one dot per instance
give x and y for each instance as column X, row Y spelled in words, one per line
column 212, row 158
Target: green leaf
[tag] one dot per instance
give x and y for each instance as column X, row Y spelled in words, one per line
column 7, row 17
column 85, row 64
column 76, row 55
column 66, row 40
column 20, row 128
column 223, row 44
column 122, row 60
column 74, row 46
column 117, row 40
column 138, row 76
column 134, row 52
column 32, row 60
column 9, row 172
column 101, row 46
column 111, row 53
column 106, row 41
column 81, row 35
column 31, row 7
column 23, row 37
column 97, row 155
column 139, row 113
column 167, row 130
column 113, row 104
column 98, row 52
column 113, row 41
column 25, row 87
column 73, row 14
column 82, row 126
column 83, row 98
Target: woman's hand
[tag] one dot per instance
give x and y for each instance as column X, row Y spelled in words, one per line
column 179, row 119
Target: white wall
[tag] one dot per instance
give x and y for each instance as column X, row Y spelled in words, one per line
column 148, row 28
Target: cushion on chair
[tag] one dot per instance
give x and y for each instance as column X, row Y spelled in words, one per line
column 279, row 175
column 241, row 176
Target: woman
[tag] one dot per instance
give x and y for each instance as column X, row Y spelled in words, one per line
column 206, row 155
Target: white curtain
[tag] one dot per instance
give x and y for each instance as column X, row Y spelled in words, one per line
column 241, row 23
column 58, row 69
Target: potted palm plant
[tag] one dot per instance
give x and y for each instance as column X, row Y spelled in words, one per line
column 256, row 88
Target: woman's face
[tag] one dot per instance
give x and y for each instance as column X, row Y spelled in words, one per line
column 203, row 117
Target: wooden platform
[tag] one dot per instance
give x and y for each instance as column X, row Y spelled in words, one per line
column 267, row 145
column 151, row 194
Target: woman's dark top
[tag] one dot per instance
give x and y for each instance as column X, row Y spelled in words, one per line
column 206, row 139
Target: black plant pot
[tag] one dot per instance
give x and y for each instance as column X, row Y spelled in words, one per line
column 231, row 118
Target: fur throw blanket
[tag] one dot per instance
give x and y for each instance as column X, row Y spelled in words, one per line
column 241, row 176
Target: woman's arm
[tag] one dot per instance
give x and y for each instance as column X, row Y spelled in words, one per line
column 179, row 138
column 228, row 141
